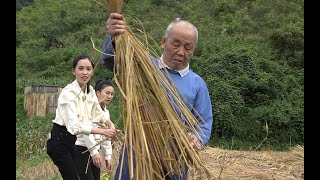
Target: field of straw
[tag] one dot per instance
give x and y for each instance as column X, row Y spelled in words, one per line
column 234, row 165
column 224, row 164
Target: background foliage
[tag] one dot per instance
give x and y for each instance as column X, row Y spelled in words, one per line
column 251, row 54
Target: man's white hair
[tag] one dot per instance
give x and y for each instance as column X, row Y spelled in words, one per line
column 178, row 20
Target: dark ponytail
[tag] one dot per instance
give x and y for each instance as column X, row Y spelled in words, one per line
column 102, row 83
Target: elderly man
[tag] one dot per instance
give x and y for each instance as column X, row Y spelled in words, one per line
column 178, row 43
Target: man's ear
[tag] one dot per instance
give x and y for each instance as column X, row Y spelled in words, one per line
column 163, row 41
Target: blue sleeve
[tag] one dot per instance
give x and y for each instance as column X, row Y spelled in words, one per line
column 107, row 48
column 204, row 108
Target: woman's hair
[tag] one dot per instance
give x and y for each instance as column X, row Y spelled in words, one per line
column 75, row 62
column 102, row 83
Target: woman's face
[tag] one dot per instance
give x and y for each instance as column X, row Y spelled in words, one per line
column 83, row 71
column 105, row 95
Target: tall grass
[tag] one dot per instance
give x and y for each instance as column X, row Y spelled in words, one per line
column 31, row 133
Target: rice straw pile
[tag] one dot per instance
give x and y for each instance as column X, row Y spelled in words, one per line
column 249, row 165
column 155, row 136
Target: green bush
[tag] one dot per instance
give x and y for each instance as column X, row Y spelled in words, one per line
column 250, row 53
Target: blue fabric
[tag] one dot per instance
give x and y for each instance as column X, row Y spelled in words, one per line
column 125, row 175
column 194, row 93
column 107, row 48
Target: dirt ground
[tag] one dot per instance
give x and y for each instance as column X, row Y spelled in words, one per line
column 223, row 164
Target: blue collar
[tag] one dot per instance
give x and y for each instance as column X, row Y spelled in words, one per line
column 182, row 72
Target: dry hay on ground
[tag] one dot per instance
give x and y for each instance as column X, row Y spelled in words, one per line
column 43, row 171
column 224, row 164
column 273, row 165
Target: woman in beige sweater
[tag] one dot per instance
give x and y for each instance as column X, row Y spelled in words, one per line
column 88, row 158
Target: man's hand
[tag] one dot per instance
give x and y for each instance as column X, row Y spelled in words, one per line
column 194, row 142
column 115, row 24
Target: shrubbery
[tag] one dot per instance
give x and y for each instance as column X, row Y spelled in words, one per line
column 251, row 55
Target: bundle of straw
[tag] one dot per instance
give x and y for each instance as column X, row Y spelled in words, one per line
column 155, row 136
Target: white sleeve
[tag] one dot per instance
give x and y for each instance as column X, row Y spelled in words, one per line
column 90, row 144
column 98, row 115
column 107, row 149
column 68, row 112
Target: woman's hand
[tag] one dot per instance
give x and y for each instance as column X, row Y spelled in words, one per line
column 96, row 159
column 108, row 165
column 109, row 132
column 109, row 124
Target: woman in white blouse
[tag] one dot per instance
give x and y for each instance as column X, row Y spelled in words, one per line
column 77, row 109
column 89, row 163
